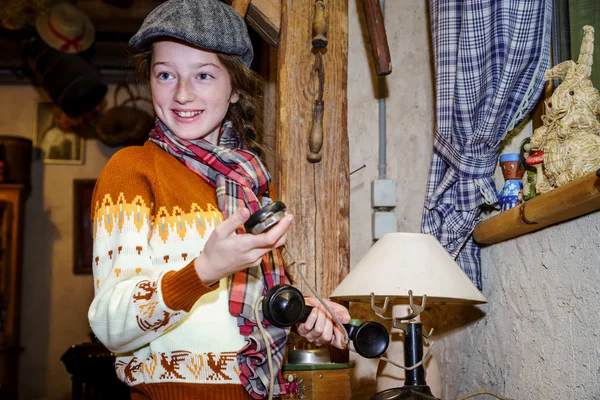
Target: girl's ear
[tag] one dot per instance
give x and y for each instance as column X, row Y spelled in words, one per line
column 235, row 96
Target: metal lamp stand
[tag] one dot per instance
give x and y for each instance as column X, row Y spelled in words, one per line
column 415, row 386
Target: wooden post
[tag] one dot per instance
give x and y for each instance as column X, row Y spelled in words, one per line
column 317, row 194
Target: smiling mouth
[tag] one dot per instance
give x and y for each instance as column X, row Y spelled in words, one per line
column 187, row 114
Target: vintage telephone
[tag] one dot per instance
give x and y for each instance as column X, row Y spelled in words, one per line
column 284, row 306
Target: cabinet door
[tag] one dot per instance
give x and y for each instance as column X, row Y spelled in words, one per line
column 6, row 222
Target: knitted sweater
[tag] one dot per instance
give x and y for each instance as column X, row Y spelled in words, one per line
column 174, row 336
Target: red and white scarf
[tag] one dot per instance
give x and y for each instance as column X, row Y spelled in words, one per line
column 239, row 178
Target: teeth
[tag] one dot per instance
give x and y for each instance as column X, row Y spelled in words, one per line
column 187, row 114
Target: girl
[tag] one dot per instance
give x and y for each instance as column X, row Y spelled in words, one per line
column 176, row 284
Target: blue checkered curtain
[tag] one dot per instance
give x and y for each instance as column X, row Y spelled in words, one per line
column 490, row 58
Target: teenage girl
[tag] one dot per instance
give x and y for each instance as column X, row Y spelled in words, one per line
column 176, row 280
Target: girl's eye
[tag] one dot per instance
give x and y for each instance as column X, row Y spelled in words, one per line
column 204, row 76
column 164, row 75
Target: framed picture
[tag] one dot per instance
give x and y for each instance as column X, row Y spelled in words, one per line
column 56, row 146
column 82, row 226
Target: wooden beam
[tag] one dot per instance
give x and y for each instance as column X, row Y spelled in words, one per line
column 241, row 6
column 317, row 194
column 264, row 16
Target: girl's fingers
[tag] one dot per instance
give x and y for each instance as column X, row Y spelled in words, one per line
column 305, row 328
column 338, row 338
column 264, row 242
column 319, row 328
column 231, row 224
column 327, row 333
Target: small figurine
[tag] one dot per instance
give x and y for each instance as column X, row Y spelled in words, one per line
column 512, row 192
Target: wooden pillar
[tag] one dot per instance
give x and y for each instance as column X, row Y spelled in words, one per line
column 317, row 194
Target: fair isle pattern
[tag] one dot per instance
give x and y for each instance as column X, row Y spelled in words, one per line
column 179, row 366
column 135, row 217
column 138, row 213
column 173, row 227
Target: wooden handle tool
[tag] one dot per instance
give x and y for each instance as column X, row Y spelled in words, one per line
column 315, row 140
column 379, row 43
column 319, row 27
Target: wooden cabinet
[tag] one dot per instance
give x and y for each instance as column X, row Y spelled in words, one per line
column 317, row 381
column 12, row 201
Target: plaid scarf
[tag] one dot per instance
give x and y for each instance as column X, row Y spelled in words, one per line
column 239, row 178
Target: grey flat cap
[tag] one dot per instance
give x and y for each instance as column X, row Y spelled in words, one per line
column 208, row 24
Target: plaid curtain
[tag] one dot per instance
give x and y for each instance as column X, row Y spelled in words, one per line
column 490, row 58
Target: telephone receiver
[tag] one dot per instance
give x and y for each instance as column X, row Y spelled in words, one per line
column 265, row 218
column 284, row 306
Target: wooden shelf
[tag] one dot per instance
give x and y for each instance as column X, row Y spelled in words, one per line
column 576, row 198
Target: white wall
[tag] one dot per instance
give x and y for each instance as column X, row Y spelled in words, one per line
column 409, row 116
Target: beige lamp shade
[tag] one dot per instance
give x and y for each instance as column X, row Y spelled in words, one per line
column 399, row 262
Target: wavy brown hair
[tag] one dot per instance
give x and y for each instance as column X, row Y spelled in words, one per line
column 245, row 82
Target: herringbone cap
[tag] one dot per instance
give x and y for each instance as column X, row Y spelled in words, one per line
column 208, row 24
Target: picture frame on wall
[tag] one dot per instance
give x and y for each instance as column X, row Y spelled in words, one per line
column 82, row 226
column 55, row 145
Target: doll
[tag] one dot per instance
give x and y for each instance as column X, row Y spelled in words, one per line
column 512, row 192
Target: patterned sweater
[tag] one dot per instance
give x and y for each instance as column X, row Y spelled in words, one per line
column 174, row 336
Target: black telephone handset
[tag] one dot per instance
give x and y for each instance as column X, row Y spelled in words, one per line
column 265, row 218
column 284, row 306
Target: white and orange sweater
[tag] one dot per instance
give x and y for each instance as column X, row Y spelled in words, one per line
column 174, row 336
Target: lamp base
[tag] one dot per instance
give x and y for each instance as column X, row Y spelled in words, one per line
column 405, row 393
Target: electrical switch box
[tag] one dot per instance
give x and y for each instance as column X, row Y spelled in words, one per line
column 383, row 222
column 383, row 193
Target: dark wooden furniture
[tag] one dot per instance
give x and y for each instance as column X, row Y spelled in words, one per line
column 93, row 373
column 12, row 202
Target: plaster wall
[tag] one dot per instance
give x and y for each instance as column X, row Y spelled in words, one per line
column 540, row 337
column 410, row 116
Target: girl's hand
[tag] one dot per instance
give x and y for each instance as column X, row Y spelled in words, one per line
column 227, row 252
column 320, row 328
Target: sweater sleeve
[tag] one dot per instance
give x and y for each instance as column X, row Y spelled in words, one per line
column 134, row 302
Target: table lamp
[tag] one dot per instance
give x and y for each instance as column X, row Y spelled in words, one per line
column 398, row 267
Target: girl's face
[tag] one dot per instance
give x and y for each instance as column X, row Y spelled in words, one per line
column 191, row 90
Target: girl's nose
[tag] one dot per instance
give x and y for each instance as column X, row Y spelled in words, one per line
column 184, row 93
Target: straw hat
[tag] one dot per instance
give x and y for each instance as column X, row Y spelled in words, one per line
column 66, row 28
